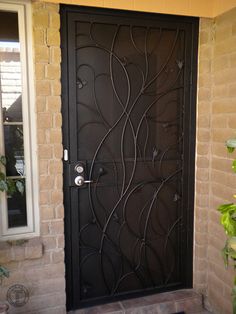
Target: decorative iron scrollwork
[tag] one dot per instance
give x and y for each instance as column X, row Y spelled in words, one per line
column 130, row 125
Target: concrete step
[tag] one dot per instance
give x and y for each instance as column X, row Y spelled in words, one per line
column 186, row 301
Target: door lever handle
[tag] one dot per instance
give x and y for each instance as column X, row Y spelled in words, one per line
column 79, row 181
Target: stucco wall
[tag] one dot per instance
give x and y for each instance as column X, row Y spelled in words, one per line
column 215, row 182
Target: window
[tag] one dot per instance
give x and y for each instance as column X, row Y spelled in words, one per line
column 19, row 211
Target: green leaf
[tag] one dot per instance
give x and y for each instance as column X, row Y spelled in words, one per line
column 11, row 186
column 234, row 165
column 234, row 290
column 225, row 255
column 232, row 243
column 20, row 186
column 231, row 142
column 226, row 207
column 2, row 176
column 234, row 304
column 232, row 254
column 230, row 149
column 3, row 186
column 229, row 223
column 3, row 160
column 4, row 272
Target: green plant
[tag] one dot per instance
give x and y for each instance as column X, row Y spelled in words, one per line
column 9, row 185
column 4, row 273
column 228, row 221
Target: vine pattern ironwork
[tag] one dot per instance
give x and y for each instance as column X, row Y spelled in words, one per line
column 130, row 244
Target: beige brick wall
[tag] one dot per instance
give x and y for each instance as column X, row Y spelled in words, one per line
column 203, row 156
column 215, row 182
column 39, row 263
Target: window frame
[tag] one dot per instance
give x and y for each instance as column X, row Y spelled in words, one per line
column 23, row 9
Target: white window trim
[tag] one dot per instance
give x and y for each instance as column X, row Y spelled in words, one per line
column 23, row 8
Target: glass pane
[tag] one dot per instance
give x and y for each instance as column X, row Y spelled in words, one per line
column 10, row 68
column 17, row 216
column 14, row 150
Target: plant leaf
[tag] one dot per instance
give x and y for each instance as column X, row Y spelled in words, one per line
column 225, row 255
column 232, row 253
column 234, row 290
column 231, row 142
column 3, row 160
column 2, row 176
column 4, row 272
column 232, row 243
column 3, row 186
column 20, row 186
column 234, row 304
column 11, row 186
column 226, row 207
column 229, row 223
column 230, row 149
column 234, row 165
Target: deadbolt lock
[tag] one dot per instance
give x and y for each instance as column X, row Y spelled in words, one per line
column 79, row 168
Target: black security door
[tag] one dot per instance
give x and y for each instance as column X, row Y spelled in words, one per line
column 129, row 85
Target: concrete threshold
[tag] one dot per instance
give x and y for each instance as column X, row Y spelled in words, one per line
column 185, row 301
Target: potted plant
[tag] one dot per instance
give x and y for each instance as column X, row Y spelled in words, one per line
column 228, row 221
column 9, row 185
column 4, row 273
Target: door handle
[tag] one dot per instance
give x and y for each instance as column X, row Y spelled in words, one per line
column 79, row 181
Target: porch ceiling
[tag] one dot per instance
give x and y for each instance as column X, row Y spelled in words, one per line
column 201, row 8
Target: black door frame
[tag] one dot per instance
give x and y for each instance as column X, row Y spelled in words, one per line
column 191, row 114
